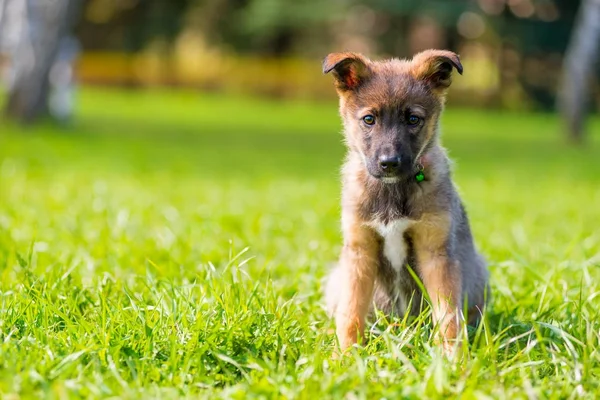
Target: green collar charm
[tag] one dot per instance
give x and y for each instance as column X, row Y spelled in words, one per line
column 420, row 176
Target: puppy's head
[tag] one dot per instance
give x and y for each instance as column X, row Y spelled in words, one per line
column 391, row 108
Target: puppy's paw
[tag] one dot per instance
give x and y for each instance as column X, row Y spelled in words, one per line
column 453, row 350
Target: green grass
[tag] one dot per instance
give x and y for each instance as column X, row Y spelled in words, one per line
column 171, row 244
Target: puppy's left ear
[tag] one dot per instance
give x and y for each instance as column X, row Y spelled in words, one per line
column 435, row 67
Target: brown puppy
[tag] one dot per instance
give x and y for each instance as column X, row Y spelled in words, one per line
column 399, row 205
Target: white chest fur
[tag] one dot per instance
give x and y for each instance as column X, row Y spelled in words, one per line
column 394, row 244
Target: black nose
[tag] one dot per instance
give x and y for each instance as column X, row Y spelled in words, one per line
column 389, row 163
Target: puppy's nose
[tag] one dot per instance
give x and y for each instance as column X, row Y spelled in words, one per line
column 389, row 163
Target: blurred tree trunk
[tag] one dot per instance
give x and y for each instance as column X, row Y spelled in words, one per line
column 581, row 56
column 43, row 28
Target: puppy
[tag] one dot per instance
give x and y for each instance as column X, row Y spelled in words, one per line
column 399, row 205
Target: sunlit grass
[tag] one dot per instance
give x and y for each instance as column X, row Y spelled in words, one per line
column 172, row 244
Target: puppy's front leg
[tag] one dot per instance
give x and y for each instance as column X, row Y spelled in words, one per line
column 358, row 269
column 441, row 276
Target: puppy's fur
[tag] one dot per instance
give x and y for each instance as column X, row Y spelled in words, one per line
column 390, row 218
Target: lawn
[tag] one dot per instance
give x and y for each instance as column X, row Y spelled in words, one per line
column 172, row 244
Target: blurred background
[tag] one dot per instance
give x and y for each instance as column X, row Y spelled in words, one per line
column 518, row 54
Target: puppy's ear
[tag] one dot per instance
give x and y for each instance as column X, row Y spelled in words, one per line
column 435, row 67
column 349, row 69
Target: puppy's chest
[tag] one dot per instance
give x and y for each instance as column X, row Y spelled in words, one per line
column 394, row 241
column 391, row 205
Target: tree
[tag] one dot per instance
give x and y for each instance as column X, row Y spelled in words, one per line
column 42, row 48
column 582, row 54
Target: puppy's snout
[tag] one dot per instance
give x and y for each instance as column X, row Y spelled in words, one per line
column 389, row 164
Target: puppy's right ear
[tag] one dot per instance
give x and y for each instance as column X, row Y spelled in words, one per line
column 349, row 69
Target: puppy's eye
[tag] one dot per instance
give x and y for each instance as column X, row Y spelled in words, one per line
column 413, row 120
column 369, row 119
